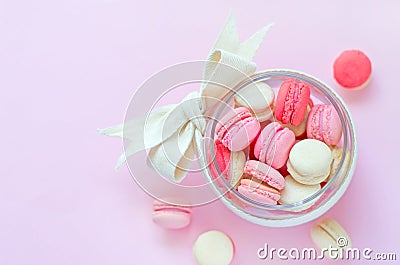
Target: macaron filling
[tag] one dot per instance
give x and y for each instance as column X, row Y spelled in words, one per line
column 172, row 209
column 258, row 191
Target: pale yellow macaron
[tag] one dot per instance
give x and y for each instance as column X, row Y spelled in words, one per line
column 337, row 154
column 213, row 248
column 309, row 161
column 237, row 163
column 259, row 98
column 296, row 192
column 330, row 234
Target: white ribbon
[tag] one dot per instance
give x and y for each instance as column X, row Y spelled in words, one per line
column 170, row 132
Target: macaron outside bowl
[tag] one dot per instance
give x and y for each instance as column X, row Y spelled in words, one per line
column 284, row 215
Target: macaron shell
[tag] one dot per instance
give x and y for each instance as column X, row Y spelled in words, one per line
column 324, row 124
column 307, row 179
column 171, row 219
column 237, row 129
column 238, row 161
column 222, row 157
column 337, row 153
column 212, row 248
column 283, row 141
column 265, row 173
column 327, row 232
column 259, row 98
column 273, row 145
column 364, row 85
column 301, row 128
column 264, row 138
column 321, row 238
column 352, row 69
column 295, row 191
column 258, row 192
column 310, row 158
column 292, row 101
column 265, row 115
column 335, row 230
column 171, row 216
column 231, row 116
column 243, row 135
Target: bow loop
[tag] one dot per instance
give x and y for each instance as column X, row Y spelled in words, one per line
column 173, row 133
column 192, row 107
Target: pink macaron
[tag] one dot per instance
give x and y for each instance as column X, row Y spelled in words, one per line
column 261, row 182
column 258, row 192
column 237, row 129
column 171, row 216
column 273, row 145
column 352, row 69
column 324, row 124
column 291, row 101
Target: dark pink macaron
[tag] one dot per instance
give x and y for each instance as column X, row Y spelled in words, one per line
column 291, row 101
column 273, row 145
column 222, row 157
column 352, row 69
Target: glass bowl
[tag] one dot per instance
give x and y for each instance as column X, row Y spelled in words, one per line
column 310, row 208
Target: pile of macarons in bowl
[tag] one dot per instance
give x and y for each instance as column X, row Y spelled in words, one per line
column 278, row 142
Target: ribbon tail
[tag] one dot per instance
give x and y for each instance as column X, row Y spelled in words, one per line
column 158, row 126
column 114, row 131
column 130, row 151
column 249, row 47
column 228, row 39
column 131, row 129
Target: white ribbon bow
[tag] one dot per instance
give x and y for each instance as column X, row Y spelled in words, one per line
column 172, row 136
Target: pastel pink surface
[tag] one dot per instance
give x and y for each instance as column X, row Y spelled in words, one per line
column 352, row 69
column 324, row 124
column 258, row 192
column 264, row 173
column 237, row 129
column 273, row 145
column 74, row 208
column 291, row 101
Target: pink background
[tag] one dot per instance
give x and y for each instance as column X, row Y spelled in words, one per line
column 68, row 67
